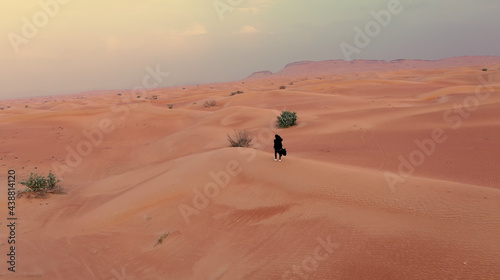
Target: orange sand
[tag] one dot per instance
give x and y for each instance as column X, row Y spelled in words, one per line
column 271, row 220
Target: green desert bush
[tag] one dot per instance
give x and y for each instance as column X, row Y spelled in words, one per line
column 287, row 119
column 35, row 182
column 240, row 138
column 52, row 181
column 38, row 183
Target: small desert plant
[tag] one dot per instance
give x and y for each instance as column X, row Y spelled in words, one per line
column 39, row 184
column 52, row 181
column 210, row 103
column 35, row 182
column 170, row 106
column 236, row 92
column 160, row 240
column 240, row 138
column 287, row 119
column 282, row 87
column 485, row 69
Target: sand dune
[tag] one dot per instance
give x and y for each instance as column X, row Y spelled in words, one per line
column 327, row 211
column 356, row 66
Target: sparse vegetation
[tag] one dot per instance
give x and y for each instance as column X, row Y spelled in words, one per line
column 35, row 182
column 160, row 240
column 170, row 106
column 210, row 103
column 52, row 181
column 282, row 87
column 138, row 96
column 240, row 138
column 236, row 92
column 287, row 119
column 485, row 69
column 38, row 185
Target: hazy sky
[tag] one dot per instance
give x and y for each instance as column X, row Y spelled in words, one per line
column 69, row 46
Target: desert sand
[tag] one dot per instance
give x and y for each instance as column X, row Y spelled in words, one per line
column 392, row 173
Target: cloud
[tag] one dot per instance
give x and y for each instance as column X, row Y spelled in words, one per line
column 194, row 30
column 248, row 29
column 175, row 38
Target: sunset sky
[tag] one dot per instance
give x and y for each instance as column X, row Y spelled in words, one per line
column 83, row 45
